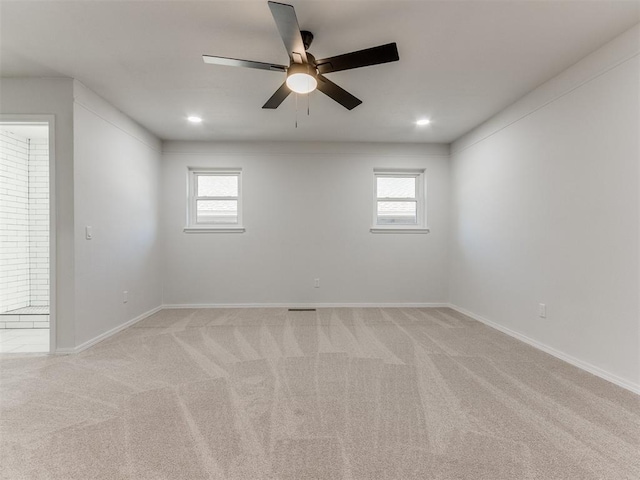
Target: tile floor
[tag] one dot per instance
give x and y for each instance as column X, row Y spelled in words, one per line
column 26, row 317
column 24, row 340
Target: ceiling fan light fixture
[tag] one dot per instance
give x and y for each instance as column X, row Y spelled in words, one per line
column 301, row 78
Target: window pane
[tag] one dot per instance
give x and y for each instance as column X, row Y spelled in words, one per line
column 217, row 211
column 396, row 187
column 397, row 213
column 217, row 186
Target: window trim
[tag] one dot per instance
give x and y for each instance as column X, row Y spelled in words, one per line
column 192, row 178
column 420, row 199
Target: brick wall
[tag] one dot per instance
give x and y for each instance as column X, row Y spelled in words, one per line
column 24, row 223
column 39, row 222
column 14, row 222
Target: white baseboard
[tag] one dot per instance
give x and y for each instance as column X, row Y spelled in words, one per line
column 597, row 371
column 107, row 334
column 306, row 305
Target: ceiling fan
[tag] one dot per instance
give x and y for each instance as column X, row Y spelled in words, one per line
column 305, row 73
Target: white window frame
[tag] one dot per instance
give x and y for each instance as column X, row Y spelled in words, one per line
column 192, row 186
column 420, row 199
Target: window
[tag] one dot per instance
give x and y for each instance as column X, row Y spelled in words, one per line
column 215, row 201
column 399, row 201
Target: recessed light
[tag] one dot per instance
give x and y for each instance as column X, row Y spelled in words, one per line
column 423, row 121
column 194, row 119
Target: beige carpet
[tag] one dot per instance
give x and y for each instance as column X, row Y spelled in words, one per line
column 334, row 394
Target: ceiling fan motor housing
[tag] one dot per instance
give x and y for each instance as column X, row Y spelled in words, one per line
column 306, row 68
column 307, row 38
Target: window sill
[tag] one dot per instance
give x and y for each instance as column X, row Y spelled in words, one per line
column 398, row 230
column 213, row 229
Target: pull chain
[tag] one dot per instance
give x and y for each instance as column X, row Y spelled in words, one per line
column 296, row 110
column 308, row 102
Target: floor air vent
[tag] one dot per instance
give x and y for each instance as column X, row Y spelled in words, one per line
column 302, row 309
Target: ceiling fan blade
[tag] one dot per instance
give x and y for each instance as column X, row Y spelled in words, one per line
column 287, row 23
column 234, row 62
column 337, row 93
column 361, row 58
column 278, row 97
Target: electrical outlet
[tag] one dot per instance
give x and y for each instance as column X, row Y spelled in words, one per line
column 125, row 296
column 542, row 310
column 316, row 283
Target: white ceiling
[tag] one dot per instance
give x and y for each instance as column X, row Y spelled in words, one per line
column 26, row 130
column 460, row 61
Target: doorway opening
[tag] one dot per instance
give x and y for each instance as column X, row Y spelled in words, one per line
column 25, row 267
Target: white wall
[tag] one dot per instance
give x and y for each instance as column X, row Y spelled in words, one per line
column 546, row 210
column 307, row 213
column 53, row 96
column 117, row 177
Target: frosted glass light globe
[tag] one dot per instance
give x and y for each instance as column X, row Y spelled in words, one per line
column 301, row 83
